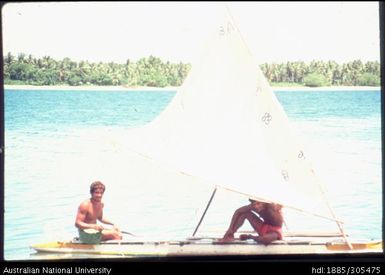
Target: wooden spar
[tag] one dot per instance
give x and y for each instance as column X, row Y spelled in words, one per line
column 204, row 213
column 285, row 234
column 339, row 224
column 287, row 206
column 247, row 195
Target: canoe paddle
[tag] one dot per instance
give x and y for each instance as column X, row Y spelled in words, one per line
column 128, row 233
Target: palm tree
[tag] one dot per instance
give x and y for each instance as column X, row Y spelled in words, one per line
column 8, row 59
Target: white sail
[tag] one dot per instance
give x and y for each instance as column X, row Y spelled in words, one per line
column 226, row 127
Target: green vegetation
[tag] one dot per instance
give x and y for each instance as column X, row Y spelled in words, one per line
column 317, row 73
column 368, row 79
column 149, row 71
column 153, row 72
column 315, row 80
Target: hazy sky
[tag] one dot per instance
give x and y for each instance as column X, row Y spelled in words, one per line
column 116, row 31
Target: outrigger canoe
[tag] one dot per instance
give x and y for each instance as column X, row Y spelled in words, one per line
column 245, row 138
column 209, row 247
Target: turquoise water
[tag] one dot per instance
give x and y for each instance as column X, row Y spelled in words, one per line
column 51, row 136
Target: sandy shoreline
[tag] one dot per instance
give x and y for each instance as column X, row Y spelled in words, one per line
column 121, row 88
column 328, row 88
column 88, row 88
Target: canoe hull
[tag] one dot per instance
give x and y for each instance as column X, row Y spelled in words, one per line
column 198, row 248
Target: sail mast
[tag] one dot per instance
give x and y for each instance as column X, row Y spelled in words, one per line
column 204, row 213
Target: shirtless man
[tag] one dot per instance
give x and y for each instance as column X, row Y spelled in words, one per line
column 265, row 218
column 90, row 211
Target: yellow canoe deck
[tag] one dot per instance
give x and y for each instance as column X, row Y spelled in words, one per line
column 207, row 248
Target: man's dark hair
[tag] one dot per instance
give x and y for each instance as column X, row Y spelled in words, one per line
column 96, row 185
column 272, row 215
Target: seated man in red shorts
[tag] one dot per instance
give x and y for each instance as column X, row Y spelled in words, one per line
column 265, row 218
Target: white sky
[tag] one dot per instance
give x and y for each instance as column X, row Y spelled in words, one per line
column 174, row 31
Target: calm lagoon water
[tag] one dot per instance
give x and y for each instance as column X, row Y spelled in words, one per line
column 55, row 142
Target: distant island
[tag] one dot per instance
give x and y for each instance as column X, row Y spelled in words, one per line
column 94, row 88
column 153, row 72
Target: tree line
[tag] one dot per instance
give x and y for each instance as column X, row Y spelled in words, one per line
column 150, row 71
column 153, row 72
column 321, row 73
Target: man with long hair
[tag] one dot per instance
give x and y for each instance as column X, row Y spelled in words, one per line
column 89, row 212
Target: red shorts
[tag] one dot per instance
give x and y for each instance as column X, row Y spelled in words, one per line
column 267, row 228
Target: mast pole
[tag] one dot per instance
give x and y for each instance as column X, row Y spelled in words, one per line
column 204, row 213
column 339, row 224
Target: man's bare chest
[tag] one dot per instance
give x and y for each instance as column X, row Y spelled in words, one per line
column 94, row 212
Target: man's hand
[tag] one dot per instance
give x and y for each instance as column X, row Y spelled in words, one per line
column 98, row 227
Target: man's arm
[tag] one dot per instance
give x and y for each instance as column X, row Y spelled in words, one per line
column 81, row 216
column 106, row 221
